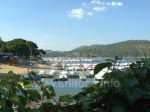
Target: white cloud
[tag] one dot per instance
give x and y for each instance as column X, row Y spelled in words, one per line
column 77, row 13
column 99, row 8
column 95, row 2
column 114, row 3
column 89, row 13
column 89, row 8
column 120, row 4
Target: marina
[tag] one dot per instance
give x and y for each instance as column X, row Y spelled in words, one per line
column 66, row 79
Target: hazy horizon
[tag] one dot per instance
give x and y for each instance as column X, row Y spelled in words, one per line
column 62, row 25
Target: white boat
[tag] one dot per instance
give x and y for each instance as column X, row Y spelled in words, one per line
column 77, row 68
column 70, row 68
column 41, row 72
column 52, row 72
column 120, row 66
column 91, row 72
column 73, row 73
column 82, row 77
column 63, row 72
column 87, row 60
column 60, row 77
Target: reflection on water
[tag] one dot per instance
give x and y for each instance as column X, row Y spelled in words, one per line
column 72, row 86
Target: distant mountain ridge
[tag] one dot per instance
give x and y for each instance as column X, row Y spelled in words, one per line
column 129, row 48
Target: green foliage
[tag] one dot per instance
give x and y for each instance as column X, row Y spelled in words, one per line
column 1, row 46
column 48, row 91
column 118, row 108
column 13, row 91
column 67, row 99
column 41, row 52
column 49, row 107
column 20, row 47
column 133, row 88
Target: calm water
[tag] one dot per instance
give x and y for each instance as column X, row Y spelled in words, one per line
column 72, row 86
column 94, row 60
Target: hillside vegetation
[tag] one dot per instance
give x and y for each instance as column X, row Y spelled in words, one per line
column 130, row 48
column 20, row 47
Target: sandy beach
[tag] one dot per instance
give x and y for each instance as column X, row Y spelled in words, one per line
column 5, row 68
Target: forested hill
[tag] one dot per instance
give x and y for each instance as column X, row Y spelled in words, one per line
column 130, row 48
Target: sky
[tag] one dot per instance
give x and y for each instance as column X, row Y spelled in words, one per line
column 63, row 25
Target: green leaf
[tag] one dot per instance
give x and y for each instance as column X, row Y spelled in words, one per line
column 11, row 73
column 25, row 82
column 66, row 98
column 3, row 102
column 27, row 86
column 48, row 107
column 100, row 66
column 50, row 90
column 32, row 73
column 33, row 95
column 86, row 105
column 47, row 94
column 133, row 94
column 143, row 73
column 15, row 99
column 89, row 89
column 4, row 82
column 118, row 108
column 100, row 110
column 85, row 101
column 114, row 75
column 130, row 81
column 23, row 101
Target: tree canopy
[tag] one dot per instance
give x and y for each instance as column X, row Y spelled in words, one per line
column 20, row 47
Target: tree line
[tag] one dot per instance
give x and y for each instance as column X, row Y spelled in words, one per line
column 130, row 48
column 20, row 47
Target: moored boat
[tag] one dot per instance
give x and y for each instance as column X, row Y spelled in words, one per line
column 82, row 77
column 60, row 77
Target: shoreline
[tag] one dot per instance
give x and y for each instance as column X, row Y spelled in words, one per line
column 20, row 69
